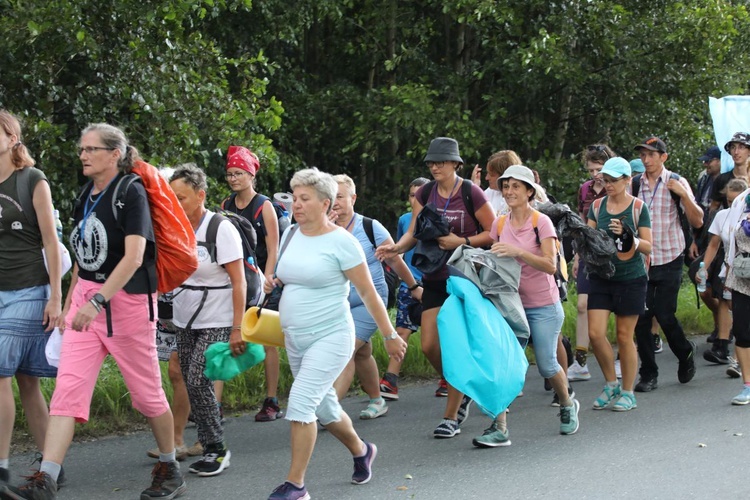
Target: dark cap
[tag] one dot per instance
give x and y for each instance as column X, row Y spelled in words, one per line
column 741, row 137
column 652, row 143
column 712, row 153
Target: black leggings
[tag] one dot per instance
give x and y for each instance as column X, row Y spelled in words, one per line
column 741, row 319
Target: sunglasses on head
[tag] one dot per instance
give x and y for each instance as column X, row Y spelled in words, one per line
column 600, row 148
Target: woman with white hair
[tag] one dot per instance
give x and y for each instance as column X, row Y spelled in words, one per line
column 318, row 261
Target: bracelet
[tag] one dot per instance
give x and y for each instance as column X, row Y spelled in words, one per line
column 96, row 305
column 467, row 241
column 412, row 288
column 237, row 327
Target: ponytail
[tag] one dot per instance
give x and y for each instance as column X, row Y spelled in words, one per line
column 19, row 155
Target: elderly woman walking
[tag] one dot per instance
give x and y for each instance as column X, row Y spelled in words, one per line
column 318, row 261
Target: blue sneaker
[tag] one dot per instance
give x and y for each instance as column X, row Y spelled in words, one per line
column 363, row 465
column 569, row 418
column 492, row 437
column 288, row 491
column 608, row 395
column 742, row 398
column 625, row 403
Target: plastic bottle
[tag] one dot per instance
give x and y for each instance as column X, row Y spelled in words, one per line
column 700, row 278
column 58, row 225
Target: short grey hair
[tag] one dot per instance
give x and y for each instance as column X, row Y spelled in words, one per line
column 346, row 181
column 115, row 138
column 192, row 175
column 323, row 183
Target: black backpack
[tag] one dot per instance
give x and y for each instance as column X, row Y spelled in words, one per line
column 391, row 278
column 687, row 230
column 255, row 210
column 465, row 194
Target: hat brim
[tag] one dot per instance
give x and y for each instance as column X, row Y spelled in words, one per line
column 646, row 146
column 537, row 188
column 438, row 157
column 705, row 158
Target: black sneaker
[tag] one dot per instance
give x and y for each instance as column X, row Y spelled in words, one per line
column 718, row 354
column 363, row 465
column 463, row 410
column 646, row 385
column 686, row 368
column 658, row 345
column 547, row 385
column 556, row 400
column 38, row 486
column 213, row 463
column 166, row 482
column 447, row 429
column 713, row 336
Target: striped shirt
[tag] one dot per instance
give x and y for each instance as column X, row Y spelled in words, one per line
column 666, row 229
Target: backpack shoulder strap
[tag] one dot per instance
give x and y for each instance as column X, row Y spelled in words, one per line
column 121, row 192
column 535, row 224
column 501, row 224
column 228, row 201
column 369, row 231
column 426, row 191
column 597, row 205
column 637, row 209
column 635, row 185
column 212, row 232
column 26, row 194
column 256, row 206
column 675, row 197
column 469, row 202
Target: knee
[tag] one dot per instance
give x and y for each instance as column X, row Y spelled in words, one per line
column 583, row 304
column 26, row 384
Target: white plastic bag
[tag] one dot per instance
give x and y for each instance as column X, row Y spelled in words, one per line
column 53, row 348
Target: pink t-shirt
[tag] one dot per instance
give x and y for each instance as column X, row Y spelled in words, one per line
column 537, row 289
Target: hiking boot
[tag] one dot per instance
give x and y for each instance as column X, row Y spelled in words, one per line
column 569, row 418
column 578, row 372
column 556, row 400
column 463, row 410
column 288, row 491
column 734, row 370
column 646, row 384
column 625, row 403
column 742, row 398
column 719, row 353
column 447, row 429
column 686, row 368
column 214, row 461
column 492, row 437
column 166, row 482
column 375, row 409
column 38, row 486
column 270, row 411
column 608, row 395
column 658, row 345
column 388, row 390
column 442, row 390
column 181, row 453
column 363, row 465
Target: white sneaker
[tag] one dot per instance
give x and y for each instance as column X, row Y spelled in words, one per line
column 578, row 372
column 618, row 371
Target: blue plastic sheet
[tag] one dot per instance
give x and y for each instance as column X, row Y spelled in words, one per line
column 481, row 356
column 730, row 114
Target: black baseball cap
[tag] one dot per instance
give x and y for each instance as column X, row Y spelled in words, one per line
column 652, row 143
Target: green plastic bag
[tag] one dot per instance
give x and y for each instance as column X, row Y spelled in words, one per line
column 221, row 365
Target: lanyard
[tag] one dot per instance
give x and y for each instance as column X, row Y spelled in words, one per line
column 351, row 222
column 445, row 208
column 656, row 190
column 88, row 210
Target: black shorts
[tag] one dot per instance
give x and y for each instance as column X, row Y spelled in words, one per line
column 624, row 298
column 434, row 293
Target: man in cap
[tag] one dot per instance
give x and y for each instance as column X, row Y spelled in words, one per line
column 739, row 147
column 666, row 194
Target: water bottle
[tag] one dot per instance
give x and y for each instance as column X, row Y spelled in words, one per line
column 700, row 278
column 58, row 225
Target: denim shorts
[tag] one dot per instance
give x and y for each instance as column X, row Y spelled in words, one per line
column 545, row 324
column 403, row 301
column 22, row 335
column 364, row 324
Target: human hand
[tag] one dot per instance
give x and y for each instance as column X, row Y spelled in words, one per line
column 676, row 187
column 505, row 250
column 396, row 348
column 693, row 251
column 84, row 317
column 416, row 294
column 384, row 252
column 52, row 314
column 274, row 282
column 450, row 241
column 236, row 344
column 476, row 175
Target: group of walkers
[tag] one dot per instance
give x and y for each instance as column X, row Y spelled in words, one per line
column 328, row 269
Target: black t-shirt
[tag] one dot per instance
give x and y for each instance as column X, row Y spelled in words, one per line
column 719, row 184
column 261, row 250
column 103, row 245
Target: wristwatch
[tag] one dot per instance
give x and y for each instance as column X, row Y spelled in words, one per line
column 99, row 299
column 392, row 336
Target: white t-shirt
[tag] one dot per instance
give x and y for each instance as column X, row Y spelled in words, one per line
column 218, row 310
column 497, row 201
column 316, row 291
column 716, row 228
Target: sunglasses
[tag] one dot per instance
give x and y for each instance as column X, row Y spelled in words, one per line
column 599, row 148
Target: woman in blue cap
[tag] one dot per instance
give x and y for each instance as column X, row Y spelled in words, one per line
column 626, row 220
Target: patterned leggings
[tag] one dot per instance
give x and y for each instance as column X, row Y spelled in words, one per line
column 191, row 346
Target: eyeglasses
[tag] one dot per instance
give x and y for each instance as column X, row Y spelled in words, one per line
column 235, row 175
column 600, row 148
column 437, row 164
column 91, row 149
column 610, row 180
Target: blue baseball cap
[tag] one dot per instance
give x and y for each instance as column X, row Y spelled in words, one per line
column 616, row 167
column 636, row 166
column 712, row 153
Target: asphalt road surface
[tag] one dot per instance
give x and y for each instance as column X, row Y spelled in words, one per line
column 683, row 441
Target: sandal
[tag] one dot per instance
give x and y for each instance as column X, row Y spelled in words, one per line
column 375, row 409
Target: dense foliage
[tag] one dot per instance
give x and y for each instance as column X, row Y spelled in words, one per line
column 362, row 86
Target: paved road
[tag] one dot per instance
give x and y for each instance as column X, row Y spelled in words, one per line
column 652, row 452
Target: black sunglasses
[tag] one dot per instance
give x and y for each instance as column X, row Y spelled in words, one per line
column 599, row 148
